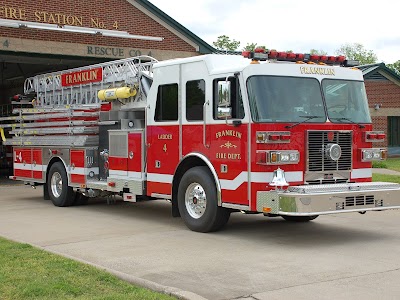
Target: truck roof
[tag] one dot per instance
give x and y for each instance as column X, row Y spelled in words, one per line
column 222, row 64
column 216, row 63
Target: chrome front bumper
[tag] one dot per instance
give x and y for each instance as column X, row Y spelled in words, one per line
column 309, row 200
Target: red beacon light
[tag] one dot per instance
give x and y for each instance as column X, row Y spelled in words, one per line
column 314, row 57
column 246, row 54
column 282, row 55
column 273, row 54
column 291, row 56
column 340, row 59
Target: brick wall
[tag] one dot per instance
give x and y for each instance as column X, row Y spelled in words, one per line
column 386, row 94
column 129, row 19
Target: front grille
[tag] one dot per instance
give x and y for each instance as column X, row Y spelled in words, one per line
column 360, row 200
column 317, row 143
column 327, row 181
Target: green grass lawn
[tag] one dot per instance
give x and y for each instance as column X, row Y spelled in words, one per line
column 385, row 178
column 30, row 273
column 390, row 163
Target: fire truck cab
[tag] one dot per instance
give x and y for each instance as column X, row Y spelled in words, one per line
column 274, row 133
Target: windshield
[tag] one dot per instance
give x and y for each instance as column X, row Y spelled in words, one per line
column 285, row 99
column 346, row 100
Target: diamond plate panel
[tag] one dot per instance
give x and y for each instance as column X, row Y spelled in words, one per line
column 268, row 199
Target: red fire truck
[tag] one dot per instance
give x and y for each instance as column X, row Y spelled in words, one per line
column 277, row 133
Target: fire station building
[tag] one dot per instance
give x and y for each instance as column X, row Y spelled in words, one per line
column 383, row 90
column 44, row 36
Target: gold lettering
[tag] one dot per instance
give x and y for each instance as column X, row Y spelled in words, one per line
column 221, row 155
column 318, row 71
column 52, row 19
column 94, row 74
column 165, row 136
column 37, row 15
column 229, row 132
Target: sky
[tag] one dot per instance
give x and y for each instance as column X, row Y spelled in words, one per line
column 294, row 25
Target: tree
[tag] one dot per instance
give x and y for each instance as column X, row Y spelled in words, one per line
column 318, row 52
column 226, row 44
column 357, row 51
column 253, row 46
column 395, row 66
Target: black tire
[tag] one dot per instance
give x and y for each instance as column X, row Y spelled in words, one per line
column 80, row 199
column 299, row 219
column 57, row 183
column 213, row 217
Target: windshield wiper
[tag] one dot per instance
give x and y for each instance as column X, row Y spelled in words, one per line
column 308, row 118
column 346, row 119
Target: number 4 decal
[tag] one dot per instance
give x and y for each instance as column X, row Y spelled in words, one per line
column 17, row 156
column 165, row 148
column 6, row 43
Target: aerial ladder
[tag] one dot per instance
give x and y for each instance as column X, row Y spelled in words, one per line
column 66, row 105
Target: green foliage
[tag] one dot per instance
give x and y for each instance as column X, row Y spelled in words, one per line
column 225, row 43
column 30, row 273
column 379, row 164
column 395, row 66
column 253, row 46
column 318, row 52
column 385, row 178
column 357, row 51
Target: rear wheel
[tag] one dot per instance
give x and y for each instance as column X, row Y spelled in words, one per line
column 299, row 219
column 198, row 203
column 60, row 193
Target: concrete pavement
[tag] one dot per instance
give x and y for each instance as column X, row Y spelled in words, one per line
column 347, row 256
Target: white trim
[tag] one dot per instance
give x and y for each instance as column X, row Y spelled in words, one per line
column 258, row 177
column 126, row 174
column 83, row 171
column 29, row 167
column 117, row 173
column 361, row 173
column 163, row 178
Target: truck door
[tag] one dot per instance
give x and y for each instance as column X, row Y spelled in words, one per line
column 228, row 140
column 163, row 134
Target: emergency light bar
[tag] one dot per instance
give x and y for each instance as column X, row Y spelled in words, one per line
column 261, row 54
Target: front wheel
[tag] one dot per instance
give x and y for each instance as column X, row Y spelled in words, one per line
column 60, row 193
column 198, row 203
column 299, row 219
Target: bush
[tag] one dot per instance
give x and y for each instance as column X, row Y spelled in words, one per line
column 379, row 164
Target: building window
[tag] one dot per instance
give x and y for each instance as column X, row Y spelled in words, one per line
column 195, row 98
column 393, row 131
column 167, row 103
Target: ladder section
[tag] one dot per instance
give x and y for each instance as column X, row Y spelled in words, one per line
column 79, row 87
column 70, row 127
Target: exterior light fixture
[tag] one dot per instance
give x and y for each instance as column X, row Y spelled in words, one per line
column 76, row 29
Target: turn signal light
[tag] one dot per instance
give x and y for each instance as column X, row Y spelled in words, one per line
column 375, row 136
column 272, row 157
column 272, row 137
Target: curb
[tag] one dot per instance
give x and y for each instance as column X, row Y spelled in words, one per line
column 151, row 285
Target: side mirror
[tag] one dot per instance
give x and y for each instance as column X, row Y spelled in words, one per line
column 224, row 100
column 224, row 112
column 224, row 93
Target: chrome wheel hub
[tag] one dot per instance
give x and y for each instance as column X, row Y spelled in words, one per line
column 56, row 184
column 195, row 200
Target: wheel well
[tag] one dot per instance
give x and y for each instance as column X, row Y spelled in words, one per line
column 51, row 162
column 186, row 164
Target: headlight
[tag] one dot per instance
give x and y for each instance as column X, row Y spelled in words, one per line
column 373, row 154
column 283, row 157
